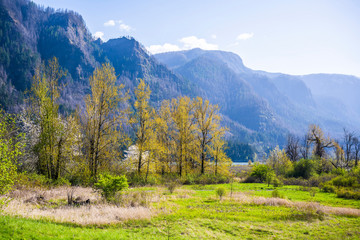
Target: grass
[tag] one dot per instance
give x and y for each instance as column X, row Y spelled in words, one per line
column 195, row 212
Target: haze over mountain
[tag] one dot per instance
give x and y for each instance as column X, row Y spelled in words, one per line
column 258, row 107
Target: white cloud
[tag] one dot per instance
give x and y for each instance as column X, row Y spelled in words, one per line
column 120, row 23
column 194, row 42
column 124, row 27
column 187, row 43
column 109, row 23
column 99, row 35
column 245, row 36
column 213, row 36
column 167, row 47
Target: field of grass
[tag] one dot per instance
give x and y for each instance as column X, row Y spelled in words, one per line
column 195, row 212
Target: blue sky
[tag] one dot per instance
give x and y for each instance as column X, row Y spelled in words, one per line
column 289, row 36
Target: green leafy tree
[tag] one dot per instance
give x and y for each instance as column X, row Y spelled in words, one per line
column 109, row 185
column 10, row 149
column 261, row 171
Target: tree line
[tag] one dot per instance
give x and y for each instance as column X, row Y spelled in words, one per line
column 343, row 153
column 109, row 135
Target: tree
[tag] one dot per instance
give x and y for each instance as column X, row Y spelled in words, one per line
column 165, row 144
column 356, row 150
column 305, row 148
column 10, row 149
column 142, row 122
column 217, row 151
column 348, row 145
column 105, row 112
column 316, row 136
column 292, row 148
column 208, row 127
column 184, row 133
column 53, row 134
column 279, row 162
column 340, row 156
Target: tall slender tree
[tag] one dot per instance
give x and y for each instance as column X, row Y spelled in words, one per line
column 142, row 121
column 105, row 111
column 45, row 110
column 208, row 127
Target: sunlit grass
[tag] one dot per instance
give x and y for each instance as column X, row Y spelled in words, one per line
column 195, row 212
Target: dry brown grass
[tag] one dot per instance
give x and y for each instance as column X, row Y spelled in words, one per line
column 83, row 215
column 301, row 206
column 54, row 207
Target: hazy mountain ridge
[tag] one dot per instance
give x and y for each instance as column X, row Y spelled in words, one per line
column 295, row 101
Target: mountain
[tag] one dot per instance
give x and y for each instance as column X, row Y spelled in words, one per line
column 291, row 102
column 31, row 34
column 258, row 107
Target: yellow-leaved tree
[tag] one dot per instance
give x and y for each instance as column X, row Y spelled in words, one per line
column 208, row 128
column 142, row 122
column 105, row 112
column 184, row 134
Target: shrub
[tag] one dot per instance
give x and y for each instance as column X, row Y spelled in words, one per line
column 342, row 181
column 171, row 186
column 304, row 168
column 348, row 194
column 61, row 182
column 327, row 187
column 108, row 185
column 220, row 192
column 260, row 171
column 312, row 191
column 188, row 179
column 31, row 180
column 276, row 194
column 251, row 179
column 276, row 182
column 295, row 181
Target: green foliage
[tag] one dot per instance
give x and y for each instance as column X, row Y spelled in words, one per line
column 327, row 187
column 276, row 194
column 108, row 185
column 260, row 171
column 61, row 182
column 348, row 194
column 277, row 182
column 10, row 149
column 171, row 187
column 31, row 180
column 279, row 162
column 239, row 151
column 220, row 192
column 344, row 181
column 304, row 168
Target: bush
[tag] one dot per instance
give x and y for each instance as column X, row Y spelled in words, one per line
column 304, row 168
column 108, row 185
column 295, row 181
column 31, row 180
column 220, row 192
column 171, row 186
column 260, row 171
column 348, row 194
column 276, row 182
column 251, row 179
column 61, row 182
column 327, row 187
column 276, row 194
column 342, row 181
